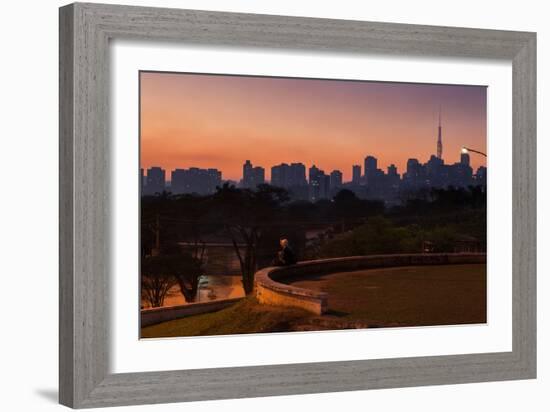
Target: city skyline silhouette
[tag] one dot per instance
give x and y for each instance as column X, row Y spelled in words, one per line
column 218, row 121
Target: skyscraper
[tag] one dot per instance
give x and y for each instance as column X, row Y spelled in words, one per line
column 356, row 174
column 415, row 175
column 215, row 179
column 393, row 178
column 439, row 141
column 324, row 185
column 435, row 172
column 258, row 174
column 297, row 175
column 465, row 158
column 313, row 174
column 481, row 176
column 371, row 163
column 247, row 174
column 372, row 173
column 280, row 175
column 314, row 183
column 156, row 180
column 178, row 181
column 252, row 176
column 413, row 166
column 335, row 179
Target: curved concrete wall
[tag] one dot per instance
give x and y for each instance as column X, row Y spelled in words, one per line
column 164, row 314
column 270, row 290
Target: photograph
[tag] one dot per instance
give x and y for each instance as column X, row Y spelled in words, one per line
column 275, row 206
column 281, row 204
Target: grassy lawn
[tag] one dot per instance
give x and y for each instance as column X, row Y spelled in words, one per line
column 406, row 296
column 246, row 316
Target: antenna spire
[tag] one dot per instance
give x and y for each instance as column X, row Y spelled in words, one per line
column 439, row 141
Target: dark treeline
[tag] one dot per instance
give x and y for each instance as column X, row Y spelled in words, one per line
column 176, row 229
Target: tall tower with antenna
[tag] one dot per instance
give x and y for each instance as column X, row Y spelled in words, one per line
column 439, row 142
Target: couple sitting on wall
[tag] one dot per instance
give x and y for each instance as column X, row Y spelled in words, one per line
column 285, row 256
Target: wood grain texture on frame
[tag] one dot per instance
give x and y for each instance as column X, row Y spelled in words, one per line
column 85, row 31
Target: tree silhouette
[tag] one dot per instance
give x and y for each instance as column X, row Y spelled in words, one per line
column 156, row 280
column 160, row 273
column 245, row 213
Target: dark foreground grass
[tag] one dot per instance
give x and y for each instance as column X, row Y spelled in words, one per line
column 406, row 296
column 246, row 316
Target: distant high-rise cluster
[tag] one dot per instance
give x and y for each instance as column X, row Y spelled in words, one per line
column 195, row 180
column 435, row 173
column 288, row 175
column 370, row 182
column 192, row 180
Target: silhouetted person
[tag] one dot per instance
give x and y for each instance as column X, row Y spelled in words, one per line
column 285, row 256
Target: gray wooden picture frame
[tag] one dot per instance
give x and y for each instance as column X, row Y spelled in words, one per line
column 85, row 32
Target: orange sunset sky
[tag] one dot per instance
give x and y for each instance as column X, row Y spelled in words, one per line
column 217, row 121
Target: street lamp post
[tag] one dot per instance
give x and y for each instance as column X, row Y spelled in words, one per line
column 467, row 149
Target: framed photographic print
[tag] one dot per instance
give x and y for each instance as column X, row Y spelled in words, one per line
column 256, row 205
